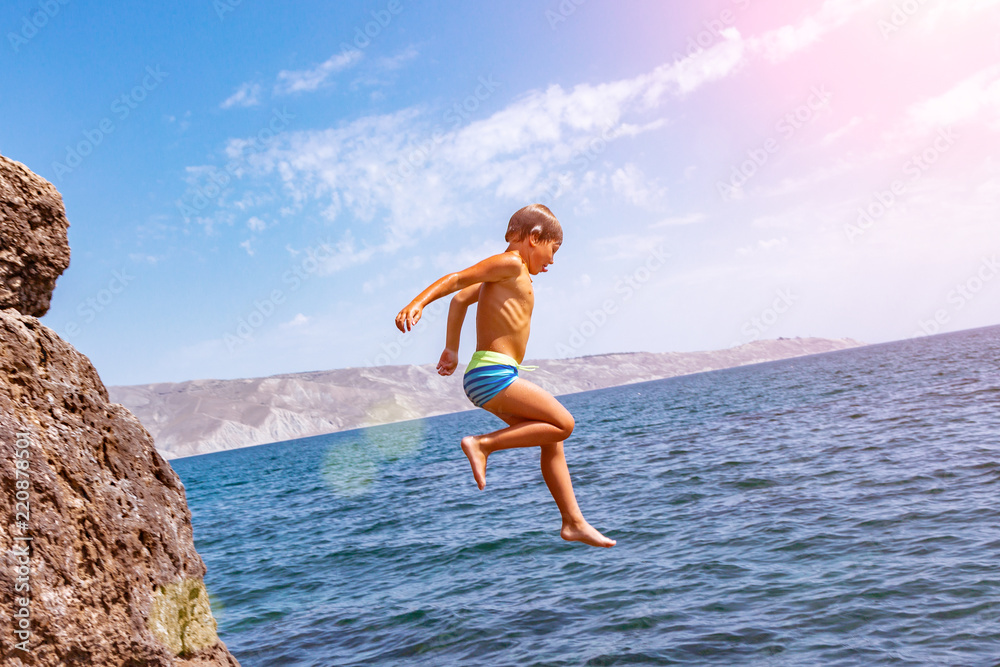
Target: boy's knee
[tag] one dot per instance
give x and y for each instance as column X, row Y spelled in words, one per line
column 567, row 425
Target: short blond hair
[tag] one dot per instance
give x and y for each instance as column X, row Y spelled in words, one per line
column 535, row 217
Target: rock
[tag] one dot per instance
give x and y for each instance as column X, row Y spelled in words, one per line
column 97, row 557
column 34, row 250
column 114, row 576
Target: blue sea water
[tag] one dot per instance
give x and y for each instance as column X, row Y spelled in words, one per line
column 839, row 509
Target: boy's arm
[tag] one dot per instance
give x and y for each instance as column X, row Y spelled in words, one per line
column 456, row 317
column 492, row 269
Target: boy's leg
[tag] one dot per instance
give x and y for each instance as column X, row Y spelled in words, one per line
column 555, row 472
column 541, row 420
column 544, row 420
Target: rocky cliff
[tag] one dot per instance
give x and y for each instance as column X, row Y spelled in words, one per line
column 202, row 416
column 33, row 247
column 98, row 560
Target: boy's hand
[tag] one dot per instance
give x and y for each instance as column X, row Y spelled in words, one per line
column 448, row 362
column 408, row 317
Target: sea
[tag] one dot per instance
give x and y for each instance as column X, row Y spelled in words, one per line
column 836, row 509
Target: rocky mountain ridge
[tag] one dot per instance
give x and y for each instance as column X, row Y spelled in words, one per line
column 203, row 416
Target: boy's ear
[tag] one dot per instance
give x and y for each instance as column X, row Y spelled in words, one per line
column 535, row 236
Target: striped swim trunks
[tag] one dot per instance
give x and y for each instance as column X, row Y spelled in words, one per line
column 488, row 374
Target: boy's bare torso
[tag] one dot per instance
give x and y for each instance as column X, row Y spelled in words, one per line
column 503, row 317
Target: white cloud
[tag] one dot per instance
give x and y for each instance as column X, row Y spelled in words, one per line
column 978, row 93
column 247, row 95
column 398, row 60
column 804, row 182
column 256, row 224
column 934, row 15
column 691, row 73
column 140, row 258
column 246, row 246
column 632, row 184
column 334, row 257
column 416, row 176
column 779, row 44
column 625, row 246
column 298, row 321
column 308, row 80
column 840, row 132
column 456, row 261
column 764, row 246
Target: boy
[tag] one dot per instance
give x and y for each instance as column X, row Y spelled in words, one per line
column 502, row 286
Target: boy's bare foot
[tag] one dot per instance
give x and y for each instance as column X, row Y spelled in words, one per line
column 470, row 445
column 584, row 532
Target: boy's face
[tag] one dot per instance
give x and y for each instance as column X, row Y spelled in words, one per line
column 543, row 254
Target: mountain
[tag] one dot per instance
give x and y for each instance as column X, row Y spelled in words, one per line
column 202, row 416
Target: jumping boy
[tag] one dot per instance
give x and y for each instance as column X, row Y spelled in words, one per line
column 502, row 286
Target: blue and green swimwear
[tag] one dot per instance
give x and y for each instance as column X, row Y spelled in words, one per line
column 488, row 374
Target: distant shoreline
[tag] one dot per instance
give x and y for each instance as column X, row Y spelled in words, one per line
column 204, row 416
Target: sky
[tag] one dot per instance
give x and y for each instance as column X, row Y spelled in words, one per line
column 257, row 187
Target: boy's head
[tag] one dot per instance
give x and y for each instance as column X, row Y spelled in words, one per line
column 534, row 218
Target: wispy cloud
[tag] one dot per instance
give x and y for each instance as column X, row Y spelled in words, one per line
column 247, row 95
column 763, row 246
column 398, row 60
column 299, row 320
column 965, row 101
column 420, row 176
column 624, row 246
column 451, row 261
column 779, row 44
column 831, row 137
column 308, row 80
column 636, row 188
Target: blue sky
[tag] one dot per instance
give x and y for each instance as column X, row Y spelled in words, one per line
column 257, row 187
